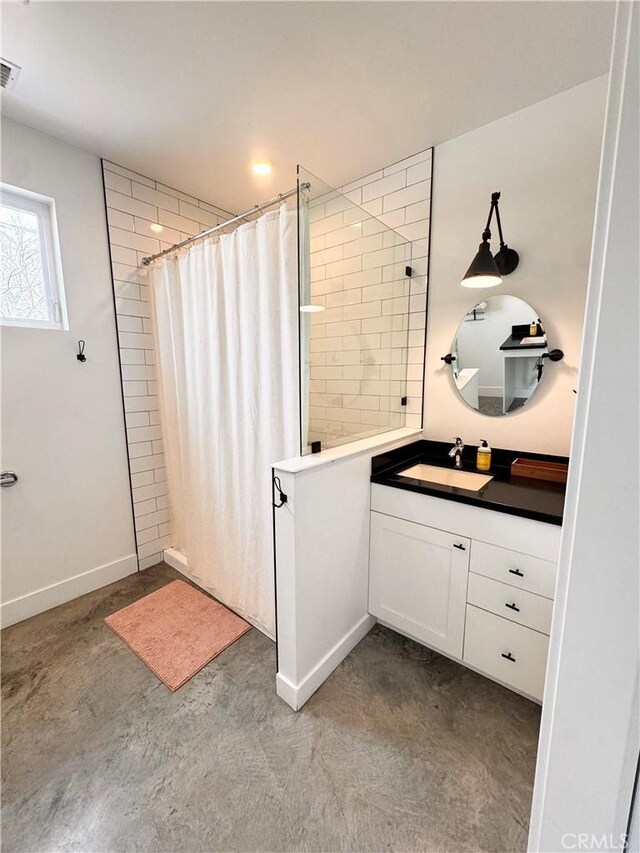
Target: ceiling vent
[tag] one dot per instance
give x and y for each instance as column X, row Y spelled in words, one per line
column 8, row 73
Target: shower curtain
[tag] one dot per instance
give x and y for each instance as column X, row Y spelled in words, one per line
column 226, row 331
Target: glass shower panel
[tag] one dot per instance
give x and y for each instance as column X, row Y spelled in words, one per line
column 354, row 279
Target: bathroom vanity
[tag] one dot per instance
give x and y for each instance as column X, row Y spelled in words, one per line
column 465, row 566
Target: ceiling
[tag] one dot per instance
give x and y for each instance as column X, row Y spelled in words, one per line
column 190, row 93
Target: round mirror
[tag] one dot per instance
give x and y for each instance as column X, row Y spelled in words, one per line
column 497, row 362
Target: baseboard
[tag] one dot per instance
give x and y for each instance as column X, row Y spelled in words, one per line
column 59, row 593
column 296, row 695
column 287, row 691
column 176, row 560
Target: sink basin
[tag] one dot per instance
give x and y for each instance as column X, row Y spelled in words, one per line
column 447, row 477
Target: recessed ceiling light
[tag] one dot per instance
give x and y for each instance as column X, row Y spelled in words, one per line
column 262, row 167
column 155, row 226
column 311, row 309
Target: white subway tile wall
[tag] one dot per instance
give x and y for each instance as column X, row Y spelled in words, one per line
column 367, row 346
column 136, row 206
column 366, row 350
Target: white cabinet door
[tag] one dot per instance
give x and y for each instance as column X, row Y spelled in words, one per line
column 418, row 581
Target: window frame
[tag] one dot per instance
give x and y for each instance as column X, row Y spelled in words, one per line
column 44, row 209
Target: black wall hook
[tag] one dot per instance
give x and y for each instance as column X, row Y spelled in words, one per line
column 278, row 487
column 448, row 358
column 80, row 354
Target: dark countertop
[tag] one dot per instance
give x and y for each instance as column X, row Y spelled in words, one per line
column 536, row 499
column 513, row 342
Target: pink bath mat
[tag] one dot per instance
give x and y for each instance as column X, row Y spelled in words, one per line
column 176, row 631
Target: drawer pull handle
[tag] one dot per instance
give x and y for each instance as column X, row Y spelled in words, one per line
column 460, row 547
column 508, row 656
column 516, row 572
column 513, row 606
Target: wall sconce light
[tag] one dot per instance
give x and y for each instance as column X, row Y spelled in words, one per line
column 487, row 270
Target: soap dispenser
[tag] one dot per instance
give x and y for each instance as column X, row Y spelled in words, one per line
column 483, row 459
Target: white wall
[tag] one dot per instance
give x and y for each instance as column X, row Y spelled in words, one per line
column 544, row 160
column 68, row 523
column 134, row 203
column 590, row 732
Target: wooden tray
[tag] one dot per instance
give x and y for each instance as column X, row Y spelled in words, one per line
column 536, row 469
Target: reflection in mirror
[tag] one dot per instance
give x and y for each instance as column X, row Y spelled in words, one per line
column 498, row 351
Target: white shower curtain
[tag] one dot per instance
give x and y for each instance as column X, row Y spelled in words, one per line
column 226, row 329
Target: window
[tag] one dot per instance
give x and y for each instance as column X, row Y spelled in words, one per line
column 30, row 271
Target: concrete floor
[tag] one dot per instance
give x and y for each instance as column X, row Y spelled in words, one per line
column 400, row 750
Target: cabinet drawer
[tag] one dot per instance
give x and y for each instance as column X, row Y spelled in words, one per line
column 512, row 567
column 511, row 603
column 489, row 639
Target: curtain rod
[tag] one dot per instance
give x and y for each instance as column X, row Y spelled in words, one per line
column 256, row 209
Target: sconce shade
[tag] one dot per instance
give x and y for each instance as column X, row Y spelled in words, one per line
column 483, row 271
